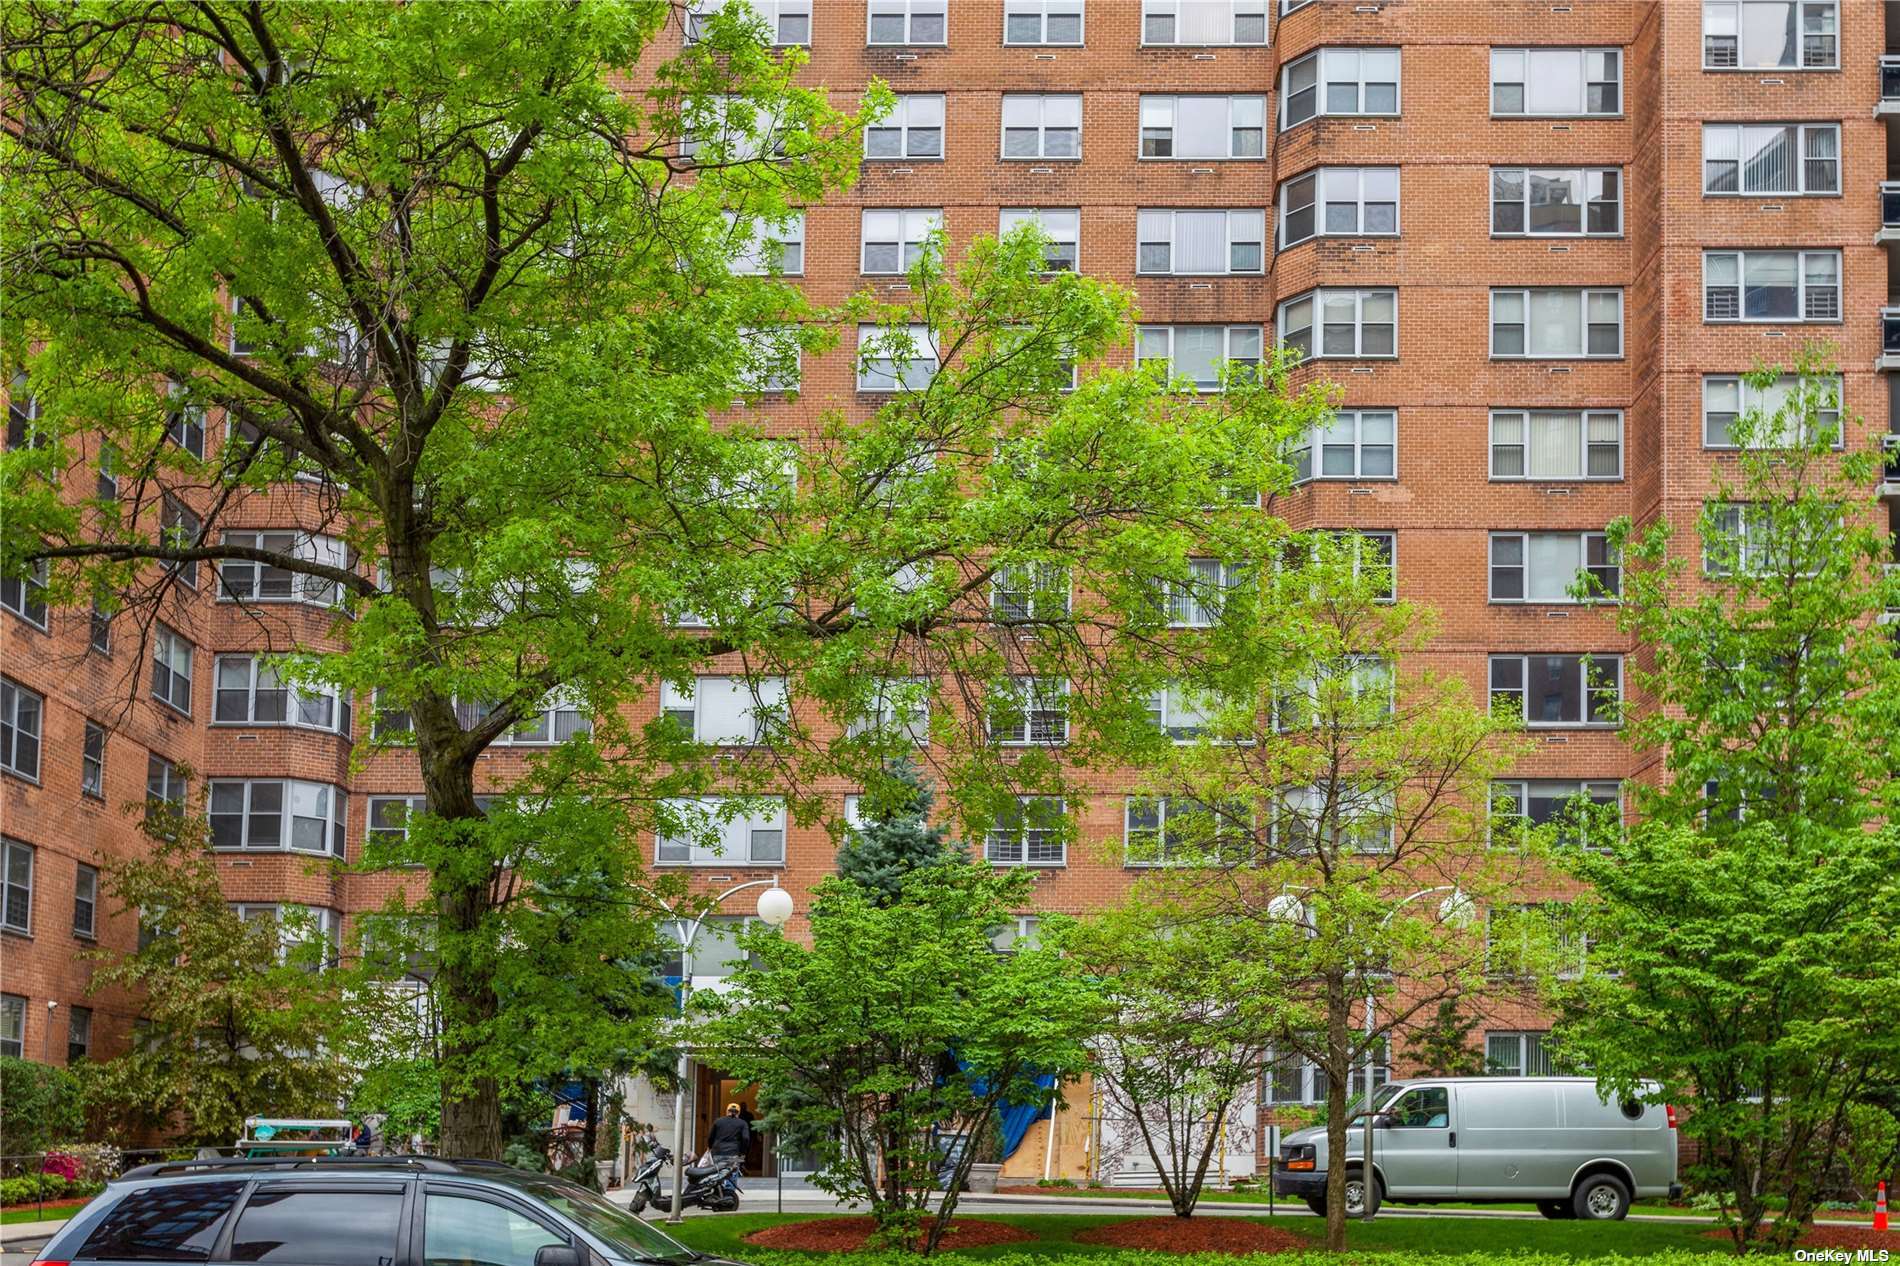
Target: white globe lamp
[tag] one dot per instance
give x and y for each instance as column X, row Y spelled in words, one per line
column 775, row 907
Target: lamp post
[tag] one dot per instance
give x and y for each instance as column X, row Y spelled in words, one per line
column 775, row 907
column 1454, row 909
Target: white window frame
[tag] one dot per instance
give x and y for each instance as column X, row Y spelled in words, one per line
column 744, row 838
column 299, row 586
column 910, row 11
column 172, row 668
column 1195, row 603
column 1586, row 178
column 12, row 1025
column 14, row 704
column 1022, row 931
column 1589, row 421
column 1731, row 14
column 1735, row 137
column 1527, row 75
column 416, row 804
column 1804, row 291
column 1160, row 226
column 771, row 12
column 298, row 699
column 1586, row 661
column 25, row 596
column 164, row 783
column 86, row 898
column 1347, row 430
column 92, row 762
column 1748, row 400
column 1325, row 64
column 1315, row 301
column 1155, row 107
column 913, row 227
column 1557, row 913
column 1022, row 592
column 1233, row 10
column 17, row 857
column 1062, row 226
column 1159, row 853
column 763, row 709
column 334, row 800
column 1743, row 522
column 1363, row 675
column 872, row 379
column 558, row 711
column 1609, row 571
column 1526, row 295
column 919, row 112
column 1026, row 845
column 1177, row 715
column 1043, row 105
column 1041, row 705
column 899, row 706
column 327, row 924
column 185, row 422
column 1043, row 11
column 1302, row 807
column 1358, row 538
column 1531, row 1057
column 784, row 239
column 1518, row 792
column 766, row 370
column 1232, row 337
column 1320, row 201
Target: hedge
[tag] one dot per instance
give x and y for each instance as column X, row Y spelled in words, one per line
column 34, row 1188
column 1312, row 1257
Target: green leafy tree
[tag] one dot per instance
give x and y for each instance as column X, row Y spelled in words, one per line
column 1181, row 1048
column 1442, row 1045
column 896, row 837
column 40, row 1105
column 1752, row 916
column 901, row 1020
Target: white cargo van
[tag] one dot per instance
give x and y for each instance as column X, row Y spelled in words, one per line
column 1554, row 1141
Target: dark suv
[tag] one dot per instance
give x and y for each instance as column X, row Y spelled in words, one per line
column 355, row 1211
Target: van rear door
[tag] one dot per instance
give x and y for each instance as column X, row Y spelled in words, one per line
column 1509, row 1143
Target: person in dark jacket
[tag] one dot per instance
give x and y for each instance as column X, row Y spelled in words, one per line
column 730, row 1136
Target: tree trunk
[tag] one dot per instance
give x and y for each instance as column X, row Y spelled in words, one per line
column 1338, row 1076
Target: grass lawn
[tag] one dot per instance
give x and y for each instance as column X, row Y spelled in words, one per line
column 31, row 1213
column 1656, row 1207
column 724, row 1234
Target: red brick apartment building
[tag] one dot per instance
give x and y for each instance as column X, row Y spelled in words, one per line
column 1532, row 242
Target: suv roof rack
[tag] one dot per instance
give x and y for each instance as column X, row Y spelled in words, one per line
column 427, row 1164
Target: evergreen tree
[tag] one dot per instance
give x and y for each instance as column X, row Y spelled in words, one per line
column 896, row 838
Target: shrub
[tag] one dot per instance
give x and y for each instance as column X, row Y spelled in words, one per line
column 60, row 1163
column 39, row 1103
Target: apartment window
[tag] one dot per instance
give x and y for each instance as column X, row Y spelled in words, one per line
column 1199, row 353
column 1743, row 542
column 913, row 129
column 1776, row 159
column 1556, row 324
column 107, row 487
column 1771, row 286
column 245, row 344
column 787, row 22
column 1517, row 1055
column 12, row 1025
column 249, row 691
column 1340, row 81
column 557, row 719
column 86, row 901
column 179, row 528
column 1062, row 226
column 1039, row 125
column 1518, row 939
column 1355, row 324
column 1203, row 22
column 1029, row 591
column 1340, row 202
column 1027, row 832
column 1294, row 1079
column 277, row 813
column 1343, row 687
column 1542, row 566
column 1378, row 551
column 1042, row 22
column 388, row 816
column 706, row 834
column 1770, row 34
column 773, row 246
column 25, row 594
column 1358, row 820
column 893, row 241
column 1021, row 932
column 1558, row 690
column 727, row 711
column 1200, row 243
column 772, row 361
column 92, row 763
column 1203, row 127
column 1556, row 83
column 247, row 580
column 899, row 708
column 1355, row 444
column 164, row 782
column 292, row 927
column 171, row 668
column 99, row 631
column 730, row 129
column 1556, row 202
column 900, row 360
column 185, row 422
column 1556, row 444
column 1028, row 711
column 1727, row 398
column 22, row 712
column 1177, row 830
column 906, row 22
column 1520, row 804
column 23, row 416
column 1179, row 712
column 16, row 886
column 1195, row 603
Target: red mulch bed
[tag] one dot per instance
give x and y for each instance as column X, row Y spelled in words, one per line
column 848, row 1235
column 1848, row 1237
column 1195, row 1235
column 50, row 1204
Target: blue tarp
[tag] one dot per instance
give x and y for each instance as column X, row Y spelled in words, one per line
column 1016, row 1118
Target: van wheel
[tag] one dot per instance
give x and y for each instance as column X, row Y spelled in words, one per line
column 1317, row 1204
column 1601, row 1198
column 1362, row 1198
column 1556, row 1210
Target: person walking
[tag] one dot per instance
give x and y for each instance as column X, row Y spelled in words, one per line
column 730, row 1136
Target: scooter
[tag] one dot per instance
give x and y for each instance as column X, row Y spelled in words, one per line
column 713, row 1187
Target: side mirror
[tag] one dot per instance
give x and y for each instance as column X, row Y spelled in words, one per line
column 558, row 1255
column 1380, row 1121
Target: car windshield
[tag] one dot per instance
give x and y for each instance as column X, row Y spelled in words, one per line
column 1381, row 1096
column 610, row 1223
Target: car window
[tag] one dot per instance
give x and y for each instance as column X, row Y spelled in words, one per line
column 464, row 1231
column 174, row 1223
column 610, row 1222
column 1427, row 1108
column 319, row 1228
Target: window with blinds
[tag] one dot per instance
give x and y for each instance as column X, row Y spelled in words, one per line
column 1556, row 444
column 1779, row 159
